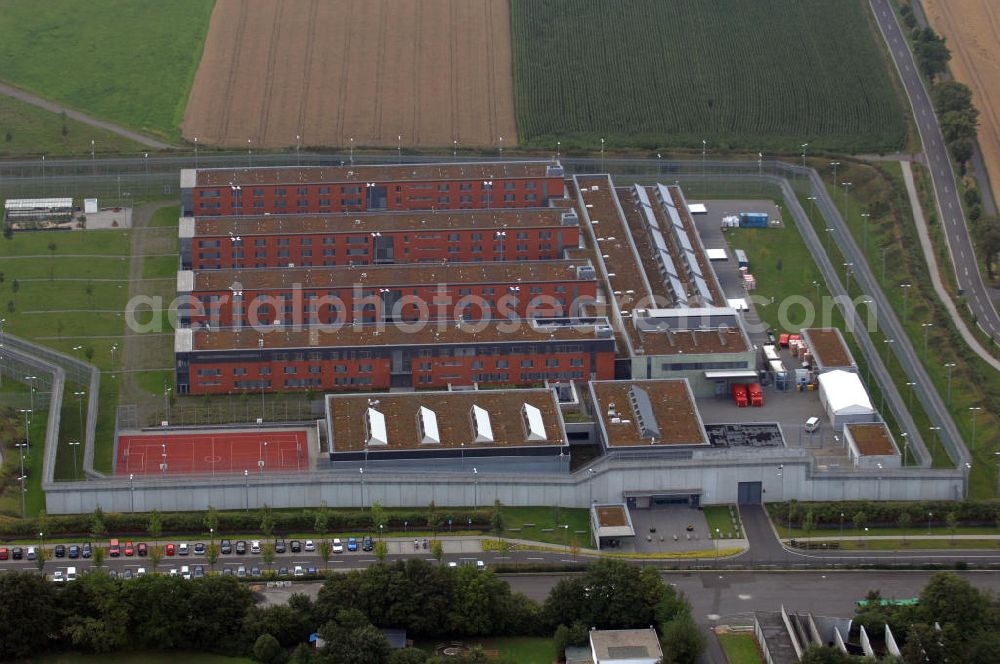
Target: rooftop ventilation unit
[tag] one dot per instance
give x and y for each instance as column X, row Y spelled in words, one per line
column 644, row 415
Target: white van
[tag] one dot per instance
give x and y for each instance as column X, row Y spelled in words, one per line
column 812, row 425
column 186, row 572
column 71, row 574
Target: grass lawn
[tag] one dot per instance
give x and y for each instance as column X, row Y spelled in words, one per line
column 159, row 267
column 740, row 648
column 522, row 649
column 139, row 658
column 28, row 130
column 540, row 524
column 10, row 501
column 904, row 544
column 165, row 217
column 719, row 516
column 128, row 61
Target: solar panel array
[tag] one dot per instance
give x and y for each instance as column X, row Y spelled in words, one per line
column 684, row 240
column 663, row 258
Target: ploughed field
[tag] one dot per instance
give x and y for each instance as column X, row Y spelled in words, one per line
column 972, row 27
column 746, row 75
column 382, row 72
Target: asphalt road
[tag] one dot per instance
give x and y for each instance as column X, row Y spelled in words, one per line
column 950, row 209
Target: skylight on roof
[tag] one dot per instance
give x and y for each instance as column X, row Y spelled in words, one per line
column 375, row 428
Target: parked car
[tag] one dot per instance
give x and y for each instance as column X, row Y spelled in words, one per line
column 129, row 549
column 311, row 571
column 338, row 546
column 4, row 553
column 171, row 549
column 173, row 571
column 141, row 549
column 87, row 551
column 227, row 571
column 367, row 544
column 199, row 572
column 73, row 551
column 59, row 550
column 114, row 548
column 226, row 547
column 58, row 577
column 283, row 571
column 279, row 546
column 31, row 553
column 16, row 553
column 199, row 549
column 241, row 571
column 182, row 549
column 255, row 546
column 295, row 546
column 113, row 573
column 71, row 574
column 127, row 575
column 185, row 572
column 352, row 543
column 241, row 548
column 255, row 571
column 141, row 572
column 299, row 571
column 310, row 545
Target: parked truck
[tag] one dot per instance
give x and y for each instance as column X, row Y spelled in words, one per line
column 755, row 394
column 740, row 395
column 754, row 219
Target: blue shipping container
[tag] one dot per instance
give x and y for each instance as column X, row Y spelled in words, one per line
column 753, row 219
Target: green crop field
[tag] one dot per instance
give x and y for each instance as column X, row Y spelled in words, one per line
column 740, row 75
column 128, row 61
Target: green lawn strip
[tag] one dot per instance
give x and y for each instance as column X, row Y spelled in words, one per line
column 36, row 243
column 71, row 430
column 26, row 130
column 521, row 649
column 144, row 657
column 165, row 217
column 104, row 434
column 59, row 268
column 10, row 501
column 974, row 383
column 125, row 61
column 718, row 517
column 154, row 381
column 923, row 544
column 575, row 63
column 740, row 648
column 160, row 267
column 544, row 525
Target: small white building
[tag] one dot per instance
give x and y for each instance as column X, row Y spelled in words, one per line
column 625, row 646
column 871, row 446
column 844, row 397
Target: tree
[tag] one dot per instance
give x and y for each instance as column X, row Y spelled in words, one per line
column 931, row 53
column 859, row 519
column 98, row 527
column 988, row 236
column 15, row 286
column 959, row 125
column 951, row 96
column 155, row 556
column 267, row 553
column 576, row 634
column 809, row 522
column 155, row 525
column 682, row 640
column 212, row 520
column 825, row 655
column 952, row 522
column 28, row 626
column 497, row 520
column 408, row 656
column 40, row 558
column 212, row 553
column 381, row 550
column 433, row 518
column 904, row 520
column 378, row 516
column 322, row 520
column 266, row 521
column 11, row 307
column 325, row 549
column 267, row 649
column 89, row 290
column 437, row 550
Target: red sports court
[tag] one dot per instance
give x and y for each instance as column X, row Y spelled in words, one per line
column 219, row 452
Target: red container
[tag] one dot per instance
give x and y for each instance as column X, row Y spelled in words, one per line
column 740, row 395
column 783, row 340
column 755, row 394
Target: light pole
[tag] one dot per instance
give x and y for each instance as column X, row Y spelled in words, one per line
column 32, row 389
column 816, row 284
column 163, row 464
column 829, row 234
column 249, row 153
column 488, row 189
column 114, row 347
column 835, row 164
column 131, row 491
column 246, row 488
column 927, row 327
column 79, row 397
column 475, row 495
column 804, row 146
column 935, row 430
column 74, row 444
column 22, row 477
column 841, row 525
column 602, row 155
column 454, row 148
column 847, row 276
column 975, row 410
column 864, row 218
column 592, row 472
column 760, row 164
column 352, row 150
column 885, row 359
column 878, row 482
column 847, row 201
column 298, row 145
column 261, row 450
column 717, row 533
column 501, row 148
column 399, row 148
column 950, row 366
column 27, row 433
column 196, row 152
column 906, row 292
column 362, row 471
column 704, row 148
column 909, row 399
column 166, row 402
column 929, row 515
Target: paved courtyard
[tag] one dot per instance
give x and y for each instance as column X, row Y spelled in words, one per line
column 664, row 530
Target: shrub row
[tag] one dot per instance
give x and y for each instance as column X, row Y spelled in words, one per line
column 886, row 514
column 238, row 522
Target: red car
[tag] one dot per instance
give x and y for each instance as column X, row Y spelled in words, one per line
column 170, row 550
column 4, row 553
column 140, row 549
column 129, row 549
column 114, row 549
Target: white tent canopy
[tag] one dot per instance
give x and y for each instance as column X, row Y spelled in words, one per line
column 844, row 394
